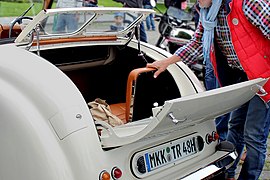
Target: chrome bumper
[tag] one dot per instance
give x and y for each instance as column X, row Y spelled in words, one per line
column 217, row 167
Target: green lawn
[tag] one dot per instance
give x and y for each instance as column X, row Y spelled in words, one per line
column 12, row 9
column 8, row 9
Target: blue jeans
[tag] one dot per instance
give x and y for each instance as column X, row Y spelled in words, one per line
column 210, row 78
column 222, row 126
column 66, row 23
column 249, row 126
column 143, row 36
column 150, row 19
column 212, row 83
column 196, row 19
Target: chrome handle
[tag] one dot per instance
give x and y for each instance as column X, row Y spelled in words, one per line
column 262, row 91
column 174, row 120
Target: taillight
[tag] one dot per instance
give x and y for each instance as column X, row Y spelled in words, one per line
column 104, row 175
column 209, row 138
column 116, row 173
column 215, row 136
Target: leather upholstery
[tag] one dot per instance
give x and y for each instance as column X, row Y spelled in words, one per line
column 123, row 110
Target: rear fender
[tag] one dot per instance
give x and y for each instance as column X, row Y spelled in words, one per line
column 46, row 130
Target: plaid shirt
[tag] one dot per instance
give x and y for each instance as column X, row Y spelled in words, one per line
column 256, row 11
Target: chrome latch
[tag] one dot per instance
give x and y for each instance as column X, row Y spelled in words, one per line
column 174, row 120
column 262, row 91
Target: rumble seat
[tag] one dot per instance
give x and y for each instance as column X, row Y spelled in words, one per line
column 123, row 110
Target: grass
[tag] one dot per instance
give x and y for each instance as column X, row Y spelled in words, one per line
column 13, row 9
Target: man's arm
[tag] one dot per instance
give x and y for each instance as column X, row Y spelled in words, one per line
column 193, row 48
column 258, row 13
column 187, row 53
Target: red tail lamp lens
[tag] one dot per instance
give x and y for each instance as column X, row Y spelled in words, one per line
column 209, row 138
column 116, row 173
column 215, row 136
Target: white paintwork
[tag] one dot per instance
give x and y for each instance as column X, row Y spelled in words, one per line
column 39, row 134
column 33, row 93
column 48, row 133
column 208, row 105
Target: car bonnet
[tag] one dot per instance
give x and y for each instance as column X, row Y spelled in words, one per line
column 88, row 22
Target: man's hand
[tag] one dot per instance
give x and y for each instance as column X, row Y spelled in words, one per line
column 163, row 64
column 159, row 65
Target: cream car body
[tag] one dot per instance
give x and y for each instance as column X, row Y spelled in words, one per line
column 48, row 133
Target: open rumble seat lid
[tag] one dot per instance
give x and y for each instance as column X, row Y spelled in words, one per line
column 88, row 22
column 182, row 112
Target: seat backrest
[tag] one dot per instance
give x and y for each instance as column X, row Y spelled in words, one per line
column 131, row 83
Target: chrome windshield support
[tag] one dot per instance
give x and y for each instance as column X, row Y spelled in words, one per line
column 37, row 29
column 31, row 35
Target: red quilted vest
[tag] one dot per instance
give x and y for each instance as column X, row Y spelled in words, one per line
column 252, row 48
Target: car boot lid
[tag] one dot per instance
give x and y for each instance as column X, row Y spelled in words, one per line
column 181, row 113
column 90, row 22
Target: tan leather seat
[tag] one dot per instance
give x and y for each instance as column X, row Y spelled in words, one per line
column 119, row 110
column 123, row 110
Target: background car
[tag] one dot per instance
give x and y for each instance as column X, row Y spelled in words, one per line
column 49, row 76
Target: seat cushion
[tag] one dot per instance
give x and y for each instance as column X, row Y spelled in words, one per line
column 119, row 110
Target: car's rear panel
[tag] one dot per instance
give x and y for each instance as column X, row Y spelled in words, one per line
column 170, row 156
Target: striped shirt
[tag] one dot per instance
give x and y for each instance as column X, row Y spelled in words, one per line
column 256, row 11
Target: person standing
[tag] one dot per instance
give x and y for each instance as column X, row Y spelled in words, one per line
column 235, row 36
column 136, row 4
column 150, row 23
column 90, row 3
column 181, row 4
column 118, row 19
column 211, row 82
column 66, row 22
column 195, row 9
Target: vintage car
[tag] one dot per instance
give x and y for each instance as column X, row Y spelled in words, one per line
column 48, row 131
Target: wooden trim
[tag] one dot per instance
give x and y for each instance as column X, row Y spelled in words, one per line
column 4, row 31
column 75, row 39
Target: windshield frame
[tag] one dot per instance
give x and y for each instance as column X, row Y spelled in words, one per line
column 81, row 31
